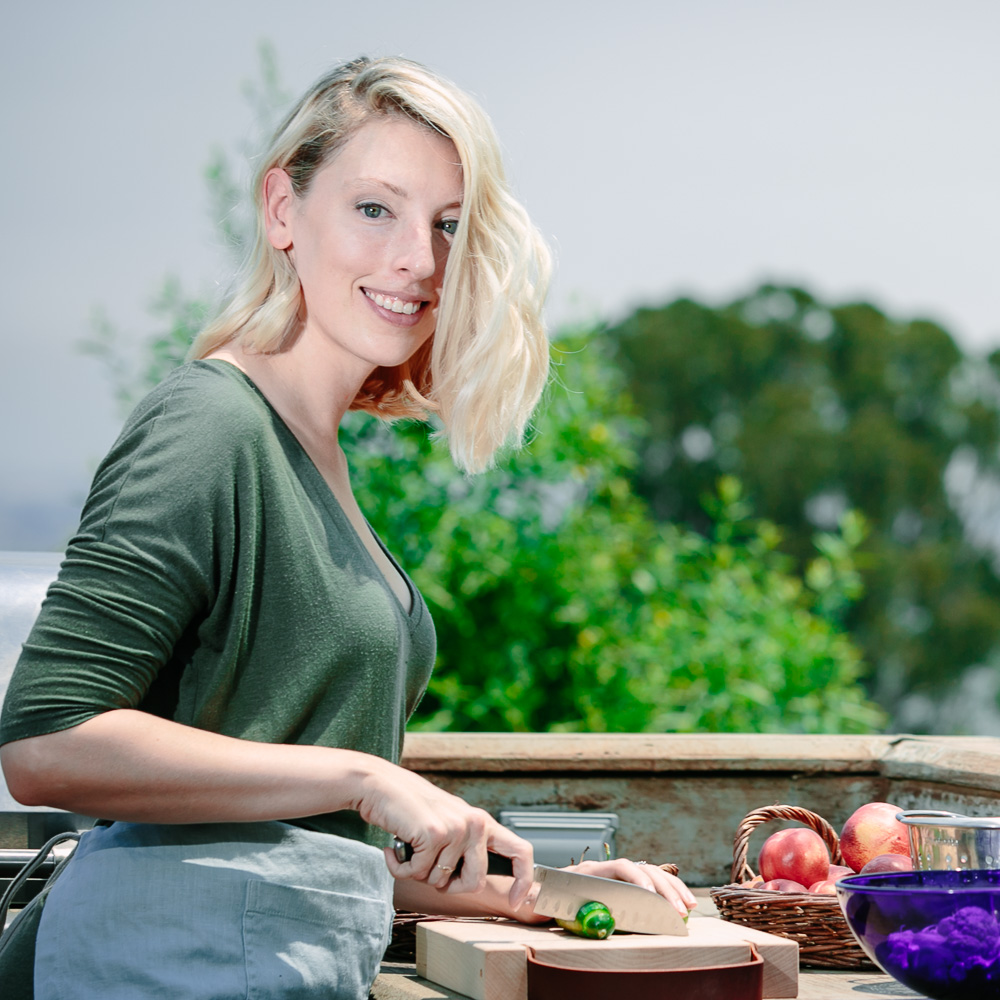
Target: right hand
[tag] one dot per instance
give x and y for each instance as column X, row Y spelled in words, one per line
column 443, row 830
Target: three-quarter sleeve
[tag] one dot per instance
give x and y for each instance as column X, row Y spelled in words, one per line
column 141, row 572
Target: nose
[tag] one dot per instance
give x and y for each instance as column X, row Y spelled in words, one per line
column 416, row 252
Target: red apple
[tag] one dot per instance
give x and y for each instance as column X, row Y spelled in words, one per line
column 888, row 863
column 798, row 854
column 839, row 871
column 824, row 888
column 873, row 830
column 783, row 885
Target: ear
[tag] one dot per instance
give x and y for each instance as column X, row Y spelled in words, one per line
column 278, row 200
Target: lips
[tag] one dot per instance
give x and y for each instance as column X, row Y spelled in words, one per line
column 392, row 303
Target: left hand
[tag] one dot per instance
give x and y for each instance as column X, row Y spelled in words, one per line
column 649, row 876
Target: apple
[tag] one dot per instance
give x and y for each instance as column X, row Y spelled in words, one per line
column 870, row 831
column 827, row 887
column 783, row 885
column 797, row 854
column 753, row 883
column 888, row 863
column 839, row 871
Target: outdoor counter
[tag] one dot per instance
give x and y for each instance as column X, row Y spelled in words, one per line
column 400, row 981
column 680, row 798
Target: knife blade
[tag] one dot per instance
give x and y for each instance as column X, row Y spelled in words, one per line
column 634, row 908
column 562, row 893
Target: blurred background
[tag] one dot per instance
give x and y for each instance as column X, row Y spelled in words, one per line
column 762, row 494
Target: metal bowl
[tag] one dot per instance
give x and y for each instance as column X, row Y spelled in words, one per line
column 951, row 841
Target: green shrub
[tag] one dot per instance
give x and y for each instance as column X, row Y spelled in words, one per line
column 561, row 605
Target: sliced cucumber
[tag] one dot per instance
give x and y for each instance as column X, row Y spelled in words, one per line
column 593, row 920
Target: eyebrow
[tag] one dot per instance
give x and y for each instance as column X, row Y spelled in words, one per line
column 361, row 181
column 389, row 186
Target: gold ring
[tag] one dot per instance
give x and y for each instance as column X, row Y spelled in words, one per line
column 444, row 868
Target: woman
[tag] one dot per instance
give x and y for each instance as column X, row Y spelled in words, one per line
column 226, row 664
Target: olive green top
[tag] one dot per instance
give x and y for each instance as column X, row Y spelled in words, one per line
column 216, row 581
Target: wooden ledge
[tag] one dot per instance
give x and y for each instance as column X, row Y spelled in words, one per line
column 967, row 761
column 972, row 762
column 638, row 752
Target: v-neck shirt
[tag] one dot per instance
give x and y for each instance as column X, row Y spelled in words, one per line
column 215, row 580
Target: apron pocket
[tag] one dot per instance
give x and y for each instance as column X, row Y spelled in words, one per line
column 300, row 941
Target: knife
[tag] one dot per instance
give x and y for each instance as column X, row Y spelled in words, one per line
column 562, row 893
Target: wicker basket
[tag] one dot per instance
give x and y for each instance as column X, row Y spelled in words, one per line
column 813, row 920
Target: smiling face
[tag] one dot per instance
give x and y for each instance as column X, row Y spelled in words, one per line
column 369, row 241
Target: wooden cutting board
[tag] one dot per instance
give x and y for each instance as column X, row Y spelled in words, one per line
column 487, row 960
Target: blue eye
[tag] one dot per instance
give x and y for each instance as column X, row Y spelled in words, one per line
column 450, row 226
column 371, row 210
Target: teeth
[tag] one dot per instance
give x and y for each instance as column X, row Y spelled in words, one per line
column 393, row 304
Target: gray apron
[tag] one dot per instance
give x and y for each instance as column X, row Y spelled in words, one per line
column 262, row 911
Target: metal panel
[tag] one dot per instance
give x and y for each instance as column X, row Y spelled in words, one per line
column 24, row 579
column 560, row 838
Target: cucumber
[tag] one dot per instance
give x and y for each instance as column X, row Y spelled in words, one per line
column 593, row 920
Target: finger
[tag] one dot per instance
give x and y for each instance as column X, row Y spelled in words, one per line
column 649, row 877
column 672, row 888
column 686, row 894
column 401, row 869
column 425, row 856
column 469, row 852
column 638, row 873
column 667, row 882
column 522, row 858
column 392, row 862
column 471, row 875
column 443, row 874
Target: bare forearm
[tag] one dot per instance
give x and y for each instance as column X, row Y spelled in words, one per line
column 128, row 765
column 491, row 901
column 134, row 766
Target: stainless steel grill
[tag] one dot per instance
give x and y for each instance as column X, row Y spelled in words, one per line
column 24, row 578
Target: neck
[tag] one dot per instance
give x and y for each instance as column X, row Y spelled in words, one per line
column 309, row 393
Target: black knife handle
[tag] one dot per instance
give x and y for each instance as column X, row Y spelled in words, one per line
column 496, row 864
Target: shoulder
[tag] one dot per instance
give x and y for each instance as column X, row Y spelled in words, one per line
column 205, row 408
column 205, row 426
column 204, row 392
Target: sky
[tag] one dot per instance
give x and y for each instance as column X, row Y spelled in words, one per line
column 663, row 148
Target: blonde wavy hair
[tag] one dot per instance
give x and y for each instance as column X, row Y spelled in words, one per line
column 486, row 364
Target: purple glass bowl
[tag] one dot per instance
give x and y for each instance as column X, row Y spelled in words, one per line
column 937, row 932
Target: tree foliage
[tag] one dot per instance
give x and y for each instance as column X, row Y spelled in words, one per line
column 561, row 605
column 818, row 410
